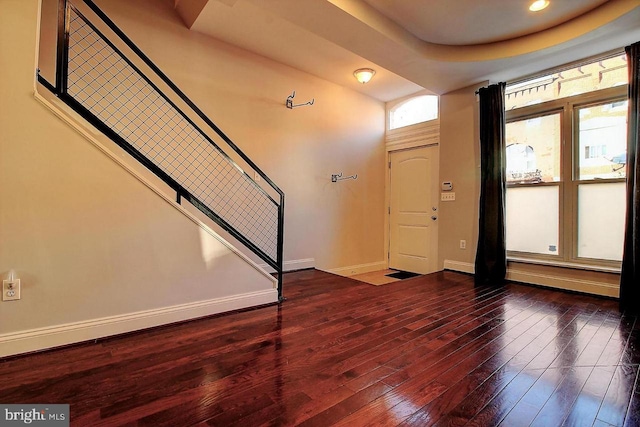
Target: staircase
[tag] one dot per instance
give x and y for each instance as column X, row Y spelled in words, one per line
column 104, row 77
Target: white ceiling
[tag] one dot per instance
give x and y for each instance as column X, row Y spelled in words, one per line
column 438, row 45
column 424, row 19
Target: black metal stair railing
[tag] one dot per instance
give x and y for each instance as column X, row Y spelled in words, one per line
column 104, row 86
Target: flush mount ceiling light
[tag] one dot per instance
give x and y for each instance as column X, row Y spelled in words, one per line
column 538, row 5
column 363, row 75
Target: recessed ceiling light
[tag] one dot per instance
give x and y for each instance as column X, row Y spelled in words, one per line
column 538, row 5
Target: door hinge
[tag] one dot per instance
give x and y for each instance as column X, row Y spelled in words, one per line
column 389, row 210
column 389, row 164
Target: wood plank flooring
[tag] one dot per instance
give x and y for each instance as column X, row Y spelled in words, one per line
column 433, row 350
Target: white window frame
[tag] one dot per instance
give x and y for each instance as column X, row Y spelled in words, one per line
column 569, row 182
column 400, row 103
column 416, row 135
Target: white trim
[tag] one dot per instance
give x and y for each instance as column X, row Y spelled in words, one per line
column 56, row 110
column 358, row 269
column 390, row 105
column 563, row 264
column 463, row 267
column 426, row 133
column 566, row 283
column 552, row 281
column 296, row 264
column 53, row 336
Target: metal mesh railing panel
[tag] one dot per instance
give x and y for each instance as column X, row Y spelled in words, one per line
column 102, row 81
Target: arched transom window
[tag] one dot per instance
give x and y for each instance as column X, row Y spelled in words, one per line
column 415, row 110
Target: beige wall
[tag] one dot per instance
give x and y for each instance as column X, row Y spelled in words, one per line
column 337, row 224
column 460, row 164
column 91, row 241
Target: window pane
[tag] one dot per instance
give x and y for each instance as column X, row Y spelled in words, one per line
column 602, row 137
column 597, row 75
column 532, row 219
column 533, row 149
column 415, row 110
column 601, row 216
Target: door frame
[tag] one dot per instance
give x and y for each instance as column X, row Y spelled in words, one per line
column 387, row 197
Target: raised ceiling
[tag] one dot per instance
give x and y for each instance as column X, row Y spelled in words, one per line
column 424, row 18
column 414, row 44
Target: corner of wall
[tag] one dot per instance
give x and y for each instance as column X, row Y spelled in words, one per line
column 459, row 164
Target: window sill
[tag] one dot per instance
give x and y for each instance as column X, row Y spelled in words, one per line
column 562, row 264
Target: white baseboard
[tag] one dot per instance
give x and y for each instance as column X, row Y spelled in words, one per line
column 70, row 333
column 358, row 269
column 565, row 283
column 296, row 264
column 463, row 267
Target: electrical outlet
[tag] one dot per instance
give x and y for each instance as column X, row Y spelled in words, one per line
column 447, row 197
column 11, row 290
column 463, row 244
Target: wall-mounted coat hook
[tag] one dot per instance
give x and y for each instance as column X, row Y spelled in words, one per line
column 290, row 104
column 338, row 177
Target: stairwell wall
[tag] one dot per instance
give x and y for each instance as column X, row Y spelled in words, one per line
column 332, row 224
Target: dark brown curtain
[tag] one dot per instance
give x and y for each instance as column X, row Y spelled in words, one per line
column 491, row 256
column 630, row 279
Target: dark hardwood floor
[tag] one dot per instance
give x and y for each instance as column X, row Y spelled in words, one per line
column 432, row 350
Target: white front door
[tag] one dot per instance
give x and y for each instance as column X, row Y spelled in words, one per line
column 413, row 217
